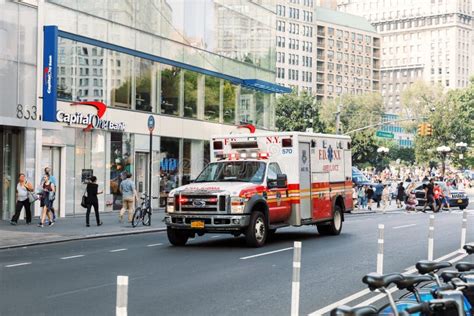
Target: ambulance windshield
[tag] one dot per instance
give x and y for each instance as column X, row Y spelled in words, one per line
column 233, row 171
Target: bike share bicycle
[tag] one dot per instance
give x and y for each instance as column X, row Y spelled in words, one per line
column 143, row 213
column 453, row 297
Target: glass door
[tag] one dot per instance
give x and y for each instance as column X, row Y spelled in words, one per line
column 141, row 172
column 51, row 157
column 9, row 158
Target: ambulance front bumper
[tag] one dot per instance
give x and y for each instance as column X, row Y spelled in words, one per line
column 207, row 222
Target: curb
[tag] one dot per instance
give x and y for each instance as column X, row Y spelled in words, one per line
column 96, row 236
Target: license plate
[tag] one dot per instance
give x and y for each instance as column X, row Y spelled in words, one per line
column 459, row 201
column 197, row 224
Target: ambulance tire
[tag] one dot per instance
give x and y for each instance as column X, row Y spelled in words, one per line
column 335, row 226
column 257, row 232
column 177, row 237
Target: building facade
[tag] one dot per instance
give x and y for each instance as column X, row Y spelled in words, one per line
column 118, row 62
column 429, row 40
column 325, row 52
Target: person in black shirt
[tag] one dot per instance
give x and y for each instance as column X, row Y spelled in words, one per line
column 92, row 201
column 429, row 196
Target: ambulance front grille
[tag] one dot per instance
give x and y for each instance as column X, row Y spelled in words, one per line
column 202, row 203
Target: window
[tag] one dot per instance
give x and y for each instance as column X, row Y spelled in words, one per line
column 170, row 79
column 190, row 93
column 212, row 98
column 143, row 78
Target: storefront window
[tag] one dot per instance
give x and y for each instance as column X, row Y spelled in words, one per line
column 230, row 93
column 170, row 78
column 212, row 98
column 261, row 103
column 120, row 69
column 169, row 165
column 121, row 161
column 190, row 93
column 9, row 158
column 247, row 106
column 144, row 71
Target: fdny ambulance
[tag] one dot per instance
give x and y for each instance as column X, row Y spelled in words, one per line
column 257, row 183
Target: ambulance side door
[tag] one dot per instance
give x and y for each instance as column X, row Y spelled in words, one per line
column 278, row 202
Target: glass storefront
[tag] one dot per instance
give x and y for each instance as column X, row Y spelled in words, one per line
column 9, row 158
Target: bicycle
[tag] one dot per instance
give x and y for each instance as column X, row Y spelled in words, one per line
column 143, row 212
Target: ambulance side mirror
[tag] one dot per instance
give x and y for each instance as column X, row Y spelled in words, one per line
column 280, row 182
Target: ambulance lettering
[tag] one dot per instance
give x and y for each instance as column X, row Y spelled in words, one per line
column 333, row 156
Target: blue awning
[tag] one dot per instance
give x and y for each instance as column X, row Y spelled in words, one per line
column 265, row 85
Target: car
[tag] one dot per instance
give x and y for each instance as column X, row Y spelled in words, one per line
column 457, row 198
column 358, row 178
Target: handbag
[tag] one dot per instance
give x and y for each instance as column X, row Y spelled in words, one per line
column 84, row 202
column 32, row 197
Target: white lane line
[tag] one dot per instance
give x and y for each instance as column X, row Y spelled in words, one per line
column 404, row 226
column 369, row 301
column 118, row 250
column 17, row 264
column 266, row 253
column 341, row 302
column 154, row 245
column 72, row 257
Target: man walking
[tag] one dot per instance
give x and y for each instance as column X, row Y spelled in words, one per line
column 378, row 193
column 127, row 188
column 429, row 196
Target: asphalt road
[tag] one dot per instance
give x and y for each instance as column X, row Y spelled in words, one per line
column 215, row 274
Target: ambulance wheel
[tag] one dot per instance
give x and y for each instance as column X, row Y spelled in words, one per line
column 335, row 226
column 177, row 237
column 257, row 232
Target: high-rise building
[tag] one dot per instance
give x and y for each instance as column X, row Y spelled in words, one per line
column 325, row 52
column 428, row 40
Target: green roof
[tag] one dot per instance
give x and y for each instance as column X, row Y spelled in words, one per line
column 343, row 19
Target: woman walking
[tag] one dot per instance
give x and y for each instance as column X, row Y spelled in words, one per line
column 92, row 190
column 22, row 200
column 400, row 194
column 47, row 198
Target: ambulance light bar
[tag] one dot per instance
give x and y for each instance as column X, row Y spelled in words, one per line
column 244, row 145
column 245, row 155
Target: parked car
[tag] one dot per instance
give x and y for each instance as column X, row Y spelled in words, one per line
column 457, row 198
column 358, row 178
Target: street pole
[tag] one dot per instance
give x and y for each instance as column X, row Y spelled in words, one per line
column 151, row 127
column 338, row 118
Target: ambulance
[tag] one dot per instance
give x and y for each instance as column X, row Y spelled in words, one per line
column 258, row 183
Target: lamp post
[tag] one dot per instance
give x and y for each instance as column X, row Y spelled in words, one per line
column 383, row 151
column 461, row 146
column 443, row 151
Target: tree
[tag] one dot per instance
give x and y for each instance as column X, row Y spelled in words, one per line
column 418, row 99
column 451, row 119
column 298, row 112
column 357, row 111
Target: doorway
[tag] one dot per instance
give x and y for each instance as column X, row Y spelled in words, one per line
column 9, row 169
column 51, row 157
column 141, row 172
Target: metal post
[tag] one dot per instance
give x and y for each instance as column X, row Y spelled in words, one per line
column 122, row 295
column 463, row 229
column 338, row 118
column 431, row 238
column 295, row 286
column 380, row 249
column 150, row 166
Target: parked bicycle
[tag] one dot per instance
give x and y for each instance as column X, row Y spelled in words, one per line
column 143, row 212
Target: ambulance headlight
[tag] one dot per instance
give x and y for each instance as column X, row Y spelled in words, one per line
column 238, row 205
column 170, row 207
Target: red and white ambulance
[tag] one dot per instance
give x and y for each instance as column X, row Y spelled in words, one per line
column 257, row 183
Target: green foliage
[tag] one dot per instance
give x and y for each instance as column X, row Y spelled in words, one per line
column 297, row 113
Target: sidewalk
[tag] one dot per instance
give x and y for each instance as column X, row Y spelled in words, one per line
column 72, row 228
column 390, row 208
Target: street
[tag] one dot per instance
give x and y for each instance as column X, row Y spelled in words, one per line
column 216, row 274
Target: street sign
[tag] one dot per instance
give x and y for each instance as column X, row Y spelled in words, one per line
column 384, row 134
column 151, row 123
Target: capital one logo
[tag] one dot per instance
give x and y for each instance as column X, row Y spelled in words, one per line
column 90, row 120
column 47, row 74
column 101, row 108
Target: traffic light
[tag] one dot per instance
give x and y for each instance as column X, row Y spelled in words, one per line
column 422, row 129
column 428, row 130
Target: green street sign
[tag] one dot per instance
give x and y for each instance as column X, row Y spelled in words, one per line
column 384, row 134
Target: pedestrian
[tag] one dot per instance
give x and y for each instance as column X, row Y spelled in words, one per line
column 22, row 200
column 361, row 196
column 400, row 194
column 52, row 179
column 437, row 197
column 444, row 201
column 369, row 193
column 411, row 201
column 92, row 190
column 129, row 194
column 429, row 196
column 385, row 196
column 47, row 197
column 354, row 196
column 378, row 193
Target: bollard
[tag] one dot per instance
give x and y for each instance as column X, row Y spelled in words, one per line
column 463, row 230
column 380, row 249
column 295, row 286
column 122, row 295
column 431, row 238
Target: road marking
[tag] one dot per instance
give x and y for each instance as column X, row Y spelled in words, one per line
column 72, row 257
column 266, row 253
column 409, row 270
column 154, row 245
column 17, row 264
column 118, row 250
column 404, row 226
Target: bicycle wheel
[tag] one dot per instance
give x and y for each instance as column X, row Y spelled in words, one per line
column 147, row 218
column 137, row 217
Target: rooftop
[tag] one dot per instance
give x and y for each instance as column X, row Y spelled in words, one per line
column 343, row 19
